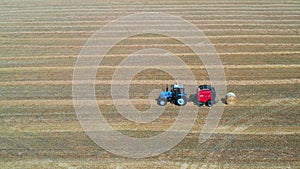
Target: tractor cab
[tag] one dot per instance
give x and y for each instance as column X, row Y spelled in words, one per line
column 178, row 90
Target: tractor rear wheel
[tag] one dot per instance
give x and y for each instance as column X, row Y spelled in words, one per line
column 182, row 101
column 162, row 102
column 209, row 103
column 200, row 103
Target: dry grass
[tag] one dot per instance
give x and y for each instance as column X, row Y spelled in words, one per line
column 257, row 41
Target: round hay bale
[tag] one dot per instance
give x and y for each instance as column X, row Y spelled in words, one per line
column 230, row 98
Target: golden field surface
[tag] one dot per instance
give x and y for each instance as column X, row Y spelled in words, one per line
column 258, row 43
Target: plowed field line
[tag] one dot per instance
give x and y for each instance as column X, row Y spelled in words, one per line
column 113, row 17
column 73, row 126
column 182, row 9
column 154, row 82
column 257, row 130
column 275, row 66
column 152, row 45
column 204, row 30
column 162, row 38
column 213, row 22
column 166, row 45
column 221, row 22
column 194, row 4
column 125, row 55
column 97, row 26
column 217, row 14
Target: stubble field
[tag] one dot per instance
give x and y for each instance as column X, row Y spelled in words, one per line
column 257, row 41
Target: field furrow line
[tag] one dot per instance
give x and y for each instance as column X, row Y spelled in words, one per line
column 187, row 17
column 182, row 8
column 152, row 45
column 276, row 66
column 162, row 38
column 126, row 12
column 188, row 13
column 182, row 11
column 112, row 33
column 188, row 3
column 154, row 82
column 200, row 24
column 75, row 127
column 195, row 21
column 126, row 55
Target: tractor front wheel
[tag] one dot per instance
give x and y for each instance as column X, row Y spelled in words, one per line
column 162, row 102
column 182, row 101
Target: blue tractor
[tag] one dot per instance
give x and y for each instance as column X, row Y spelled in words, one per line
column 176, row 96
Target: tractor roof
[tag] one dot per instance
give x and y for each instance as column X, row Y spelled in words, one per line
column 178, row 86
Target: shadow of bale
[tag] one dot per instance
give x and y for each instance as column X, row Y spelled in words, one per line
column 223, row 100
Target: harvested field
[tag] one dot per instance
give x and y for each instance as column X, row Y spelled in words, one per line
column 258, row 43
